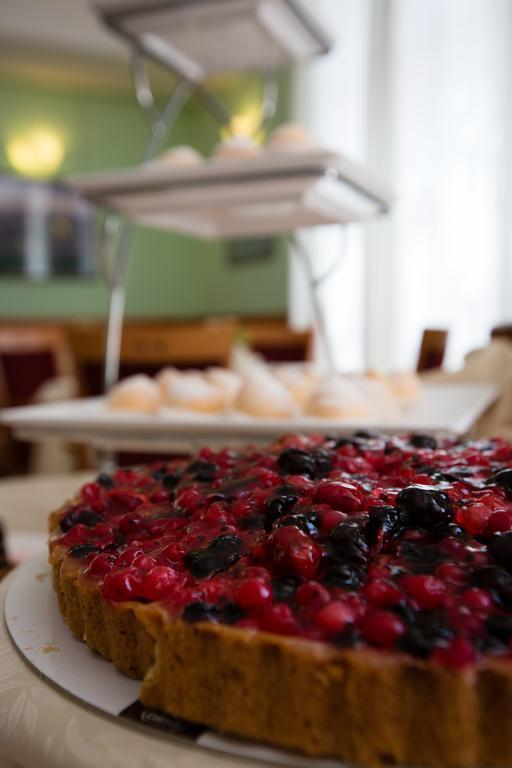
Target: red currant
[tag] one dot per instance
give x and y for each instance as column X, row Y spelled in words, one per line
column 382, row 628
column 426, row 591
column 253, row 594
column 279, row 619
column 122, row 584
column 339, row 495
column 334, row 617
column 498, row 522
column 158, row 582
column 457, row 653
column 382, row 593
column 294, row 553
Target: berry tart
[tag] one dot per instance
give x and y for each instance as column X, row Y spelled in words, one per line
column 349, row 598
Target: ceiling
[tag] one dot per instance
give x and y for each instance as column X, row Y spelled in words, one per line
column 63, row 43
column 60, row 42
column 66, row 25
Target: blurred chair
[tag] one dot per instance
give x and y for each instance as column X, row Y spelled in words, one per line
column 502, row 332
column 30, row 356
column 149, row 347
column 432, row 349
column 275, row 340
column 35, row 364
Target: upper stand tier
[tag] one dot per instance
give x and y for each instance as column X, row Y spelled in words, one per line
column 197, row 38
column 270, row 194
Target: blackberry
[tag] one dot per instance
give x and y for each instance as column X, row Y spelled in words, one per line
column 217, row 556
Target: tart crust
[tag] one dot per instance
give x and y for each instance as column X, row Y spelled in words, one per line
column 111, row 629
column 360, row 706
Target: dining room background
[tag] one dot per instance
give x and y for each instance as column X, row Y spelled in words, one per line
column 421, row 91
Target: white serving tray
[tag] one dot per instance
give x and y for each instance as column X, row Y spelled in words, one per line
column 443, row 408
column 40, row 635
column 225, row 198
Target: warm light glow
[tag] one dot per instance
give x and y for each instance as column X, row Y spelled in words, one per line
column 38, row 152
column 246, row 123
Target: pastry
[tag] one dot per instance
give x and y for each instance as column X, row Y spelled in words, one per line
column 229, row 382
column 136, row 393
column 165, row 376
column 191, row 390
column 383, row 405
column 348, row 598
column 262, row 394
column 236, row 148
column 244, row 361
column 291, row 137
column 336, row 397
column 182, row 156
column 299, row 378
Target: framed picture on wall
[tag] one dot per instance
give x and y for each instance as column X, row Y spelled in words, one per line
column 46, row 230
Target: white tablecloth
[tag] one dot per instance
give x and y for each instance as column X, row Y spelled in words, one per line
column 40, row 727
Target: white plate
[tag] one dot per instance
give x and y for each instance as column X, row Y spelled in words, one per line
column 263, row 195
column 443, row 408
column 38, row 631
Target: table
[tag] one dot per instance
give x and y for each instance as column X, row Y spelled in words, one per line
column 41, row 726
column 26, row 501
column 24, row 506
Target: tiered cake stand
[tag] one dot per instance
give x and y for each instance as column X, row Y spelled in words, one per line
column 262, row 196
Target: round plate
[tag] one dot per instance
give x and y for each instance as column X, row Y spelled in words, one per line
column 61, row 705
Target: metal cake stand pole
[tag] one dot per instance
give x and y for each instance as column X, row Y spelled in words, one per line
column 314, row 284
column 117, row 238
column 117, row 230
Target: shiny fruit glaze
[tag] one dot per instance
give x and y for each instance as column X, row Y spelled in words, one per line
column 402, row 544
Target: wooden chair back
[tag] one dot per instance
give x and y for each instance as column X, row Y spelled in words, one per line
column 29, row 356
column 276, row 341
column 502, row 332
column 432, row 349
column 148, row 347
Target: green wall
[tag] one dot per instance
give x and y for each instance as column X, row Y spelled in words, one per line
column 169, row 275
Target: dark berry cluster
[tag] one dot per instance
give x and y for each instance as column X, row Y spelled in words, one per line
column 399, row 543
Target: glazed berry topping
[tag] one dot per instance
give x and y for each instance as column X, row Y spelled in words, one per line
column 423, row 506
column 306, row 523
column 283, row 590
column 203, row 471
column 278, row 505
column 383, row 523
column 216, row 556
column 500, row 547
column 170, row 479
column 80, row 514
column 254, row 594
column 503, row 479
column 105, row 480
column 197, row 611
column 402, row 544
column 382, row 628
column 334, row 617
column 81, row 551
column 296, row 462
column 423, row 441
